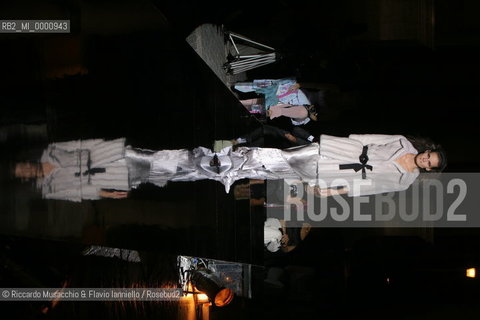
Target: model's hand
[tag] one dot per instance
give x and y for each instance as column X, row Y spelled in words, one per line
column 325, row 192
column 330, row 192
column 290, row 137
column 309, row 189
column 284, row 240
column 114, row 194
column 295, row 200
column 338, row 191
column 322, row 192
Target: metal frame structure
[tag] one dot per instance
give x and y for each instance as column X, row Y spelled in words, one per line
column 240, row 63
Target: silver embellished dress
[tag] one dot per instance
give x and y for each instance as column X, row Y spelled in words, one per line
column 315, row 164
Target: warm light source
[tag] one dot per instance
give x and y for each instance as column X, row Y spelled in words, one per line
column 224, row 297
column 471, row 273
column 202, row 297
column 205, row 281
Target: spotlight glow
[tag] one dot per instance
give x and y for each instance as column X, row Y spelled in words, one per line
column 202, row 297
column 471, row 273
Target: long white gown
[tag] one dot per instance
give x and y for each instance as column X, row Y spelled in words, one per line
column 122, row 167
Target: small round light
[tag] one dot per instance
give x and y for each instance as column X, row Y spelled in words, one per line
column 224, row 297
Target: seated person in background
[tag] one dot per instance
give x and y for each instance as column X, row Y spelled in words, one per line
column 277, row 235
column 285, row 97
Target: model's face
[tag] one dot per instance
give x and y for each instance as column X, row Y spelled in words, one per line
column 26, row 170
column 427, row 160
